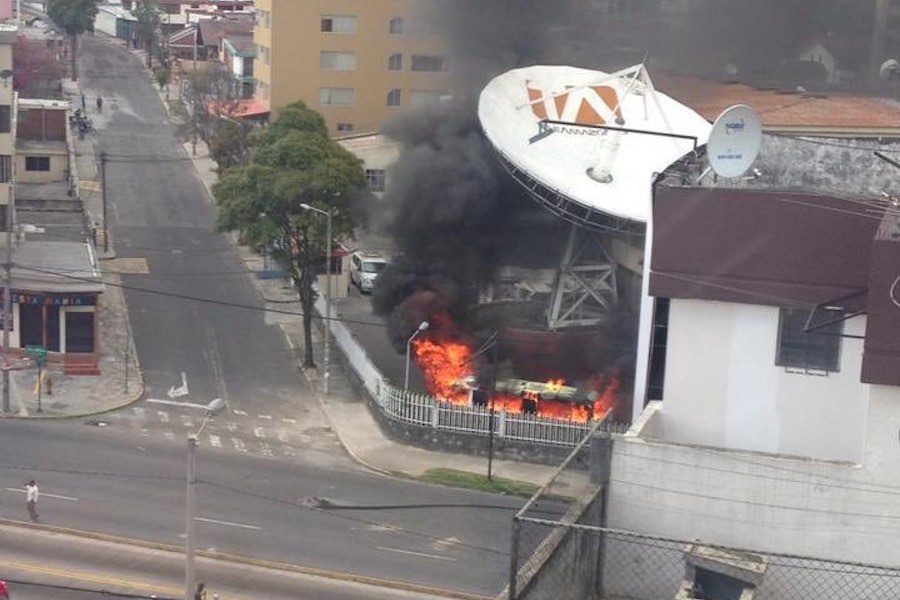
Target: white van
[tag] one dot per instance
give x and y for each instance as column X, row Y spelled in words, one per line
column 364, row 269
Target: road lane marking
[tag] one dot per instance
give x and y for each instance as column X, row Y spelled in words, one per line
column 259, row 432
column 265, row 417
column 237, row 411
column 422, row 554
column 87, row 577
column 228, row 523
column 288, row 420
column 42, row 494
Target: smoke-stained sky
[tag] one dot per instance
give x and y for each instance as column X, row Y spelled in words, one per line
column 749, row 40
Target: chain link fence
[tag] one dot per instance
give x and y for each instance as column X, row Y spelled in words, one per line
column 560, row 552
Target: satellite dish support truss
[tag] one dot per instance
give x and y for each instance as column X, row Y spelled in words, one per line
column 585, row 288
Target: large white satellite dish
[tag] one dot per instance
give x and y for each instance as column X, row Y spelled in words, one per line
column 734, row 141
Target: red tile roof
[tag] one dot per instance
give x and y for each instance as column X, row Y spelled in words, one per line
column 787, row 111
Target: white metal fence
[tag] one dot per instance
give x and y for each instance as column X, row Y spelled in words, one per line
column 421, row 409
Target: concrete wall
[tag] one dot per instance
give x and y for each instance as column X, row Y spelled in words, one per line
column 59, row 164
column 764, row 502
column 723, row 388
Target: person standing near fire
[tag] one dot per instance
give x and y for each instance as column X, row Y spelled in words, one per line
column 31, row 499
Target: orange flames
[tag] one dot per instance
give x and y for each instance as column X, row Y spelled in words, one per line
column 446, row 368
column 444, row 365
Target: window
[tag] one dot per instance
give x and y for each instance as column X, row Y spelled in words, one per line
column 396, row 25
column 5, row 168
column 430, row 64
column 345, row 127
column 37, row 163
column 423, row 98
column 817, row 350
column 337, row 96
column 337, row 61
column 376, row 179
column 395, row 62
column 394, row 97
column 266, row 19
column 338, row 24
column 5, row 118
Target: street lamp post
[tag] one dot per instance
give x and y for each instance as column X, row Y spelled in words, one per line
column 422, row 327
column 326, row 352
column 212, row 409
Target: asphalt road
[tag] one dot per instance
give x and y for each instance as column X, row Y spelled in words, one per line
column 160, row 212
column 39, row 565
column 102, row 481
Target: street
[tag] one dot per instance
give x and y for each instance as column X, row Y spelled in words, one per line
column 265, row 466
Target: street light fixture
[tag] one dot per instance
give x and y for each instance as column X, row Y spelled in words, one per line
column 422, row 327
column 326, row 353
column 212, row 409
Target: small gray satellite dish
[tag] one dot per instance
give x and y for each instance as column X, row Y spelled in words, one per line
column 889, row 69
column 734, row 141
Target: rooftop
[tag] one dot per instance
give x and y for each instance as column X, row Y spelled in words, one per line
column 45, row 266
column 788, row 110
column 828, row 166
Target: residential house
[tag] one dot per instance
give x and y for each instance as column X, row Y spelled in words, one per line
column 357, row 62
column 238, row 53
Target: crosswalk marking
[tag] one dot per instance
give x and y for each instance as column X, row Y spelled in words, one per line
column 288, row 450
column 288, row 420
column 259, row 432
column 139, row 412
column 231, row 426
column 265, row 417
column 169, row 435
column 186, row 421
column 239, row 445
column 265, row 449
column 239, row 412
column 215, row 441
column 163, row 416
column 282, row 436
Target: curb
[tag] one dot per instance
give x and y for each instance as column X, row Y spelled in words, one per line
column 245, row 560
column 131, row 399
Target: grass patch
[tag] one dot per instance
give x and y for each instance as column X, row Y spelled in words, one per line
column 473, row 481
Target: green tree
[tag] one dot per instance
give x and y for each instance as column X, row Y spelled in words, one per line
column 229, row 145
column 293, row 163
column 74, row 17
column 147, row 27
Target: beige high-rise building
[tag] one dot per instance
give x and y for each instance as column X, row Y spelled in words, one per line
column 8, row 34
column 357, row 62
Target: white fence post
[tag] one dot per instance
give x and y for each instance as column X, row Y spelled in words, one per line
column 435, row 416
column 501, row 425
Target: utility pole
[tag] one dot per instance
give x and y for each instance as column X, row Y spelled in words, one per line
column 103, row 159
column 7, row 298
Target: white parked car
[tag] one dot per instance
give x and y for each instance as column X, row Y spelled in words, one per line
column 364, row 269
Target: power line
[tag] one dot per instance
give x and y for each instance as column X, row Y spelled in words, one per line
column 212, row 301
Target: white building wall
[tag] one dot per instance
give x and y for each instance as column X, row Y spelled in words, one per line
column 723, row 388
column 764, row 502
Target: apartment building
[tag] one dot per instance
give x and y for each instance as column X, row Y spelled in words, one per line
column 357, row 62
column 8, row 34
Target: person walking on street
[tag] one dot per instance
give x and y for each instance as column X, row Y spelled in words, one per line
column 200, row 594
column 31, row 499
column 99, row 103
column 83, row 103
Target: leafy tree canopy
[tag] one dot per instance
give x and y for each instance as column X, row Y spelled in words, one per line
column 293, row 163
column 74, row 16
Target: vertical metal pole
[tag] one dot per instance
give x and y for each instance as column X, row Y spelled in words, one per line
column 190, row 510
column 40, row 385
column 7, row 297
column 127, row 353
column 103, row 159
column 406, row 376
column 326, row 388
column 490, row 473
column 196, row 31
column 514, row 559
